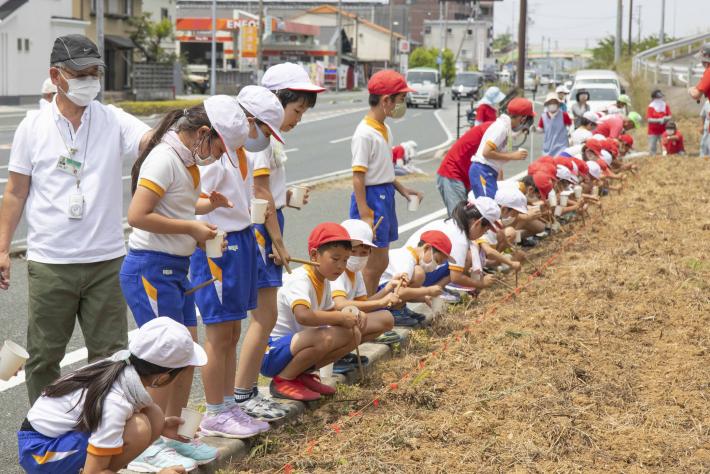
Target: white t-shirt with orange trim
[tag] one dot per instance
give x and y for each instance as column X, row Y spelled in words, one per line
column 54, row 417
column 402, row 261
column 498, row 136
column 178, row 186
column 270, row 162
column 459, row 242
column 350, row 286
column 302, row 287
column 235, row 182
column 371, row 148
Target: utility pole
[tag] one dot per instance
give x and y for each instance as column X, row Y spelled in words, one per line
column 100, row 40
column 662, row 34
column 638, row 25
column 391, row 14
column 631, row 20
column 442, row 29
column 617, row 38
column 339, row 44
column 259, row 45
column 213, row 59
column 522, row 34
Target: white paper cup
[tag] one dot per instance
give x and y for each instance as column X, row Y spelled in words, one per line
column 213, row 247
column 258, row 210
column 595, row 191
column 326, row 371
column 298, row 195
column 413, row 202
column 192, row 422
column 12, row 357
column 578, row 191
column 558, row 211
column 552, row 199
column 437, row 305
column 564, row 198
column 518, row 236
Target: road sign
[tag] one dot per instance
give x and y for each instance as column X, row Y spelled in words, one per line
column 404, row 46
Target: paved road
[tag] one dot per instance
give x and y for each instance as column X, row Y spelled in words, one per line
column 329, row 202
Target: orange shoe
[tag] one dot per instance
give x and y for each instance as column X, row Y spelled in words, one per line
column 312, row 382
column 292, row 390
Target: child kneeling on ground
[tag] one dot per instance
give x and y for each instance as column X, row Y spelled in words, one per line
column 101, row 417
column 309, row 333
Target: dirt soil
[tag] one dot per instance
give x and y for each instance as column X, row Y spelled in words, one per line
column 600, row 365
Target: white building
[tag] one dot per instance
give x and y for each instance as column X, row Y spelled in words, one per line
column 470, row 41
column 163, row 10
column 27, row 33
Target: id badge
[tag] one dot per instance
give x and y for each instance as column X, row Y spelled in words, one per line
column 76, row 206
column 66, row 165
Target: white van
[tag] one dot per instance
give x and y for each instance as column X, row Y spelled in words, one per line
column 589, row 77
column 427, row 86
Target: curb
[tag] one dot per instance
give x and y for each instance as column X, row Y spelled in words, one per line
column 233, row 449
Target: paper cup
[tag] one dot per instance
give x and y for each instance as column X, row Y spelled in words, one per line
column 437, row 305
column 552, row 199
column 192, row 422
column 564, row 198
column 326, row 371
column 298, row 195
column 518, row 236
column 413, row 202
column 558, row 211
column 595, row 191
column 213, row 247
column 258, row 210
column 12, row 357
column 578, row 191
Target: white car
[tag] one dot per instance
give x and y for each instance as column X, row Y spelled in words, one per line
column 597, row 76
column 601, row 95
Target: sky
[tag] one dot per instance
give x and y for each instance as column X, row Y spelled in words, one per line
column 574, row 24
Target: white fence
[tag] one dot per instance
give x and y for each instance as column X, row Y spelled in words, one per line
column 672, row 63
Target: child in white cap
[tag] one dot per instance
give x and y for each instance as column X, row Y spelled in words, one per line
column 101, row 417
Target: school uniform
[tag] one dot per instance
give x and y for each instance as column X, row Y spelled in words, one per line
column 401, row 261
column 302, row 288
column 234, row 290
column 673, row 147
column 459, row 248
column 351, row 286
column 371, row 150
column 270, row 162
column 483, row 173
column 154, row 274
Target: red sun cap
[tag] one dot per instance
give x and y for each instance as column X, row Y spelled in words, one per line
column 594, row 146
column 544, row 183
column 388, row 82
column 611, row 146
column 325, row 233
column 521, row 106
column 627, row 139
column 439, row 241
column 581, row 166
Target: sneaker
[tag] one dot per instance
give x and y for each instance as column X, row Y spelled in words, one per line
column 450, row 297
column 261, row 408
column 200, row 452
column 389, row 337
column 158, row 456
column 312, row 382
column 401, row 319
column 225, row 425
column 292, row 390
column 239, row 415
column 414, row 315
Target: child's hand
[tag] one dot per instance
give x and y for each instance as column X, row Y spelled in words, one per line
column 515, row 266
column 521, row 154
column 218, row 199
column 362, row 322
column 173, row 470
column 434, row 290
column 487, row 281
column 368, row 217
column 348, row 320
column 171, row 426
column 391, row 299
column 202, row 231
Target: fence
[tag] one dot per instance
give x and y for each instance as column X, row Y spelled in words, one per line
column 229, row 82
column 155, row 81
column 650, row 63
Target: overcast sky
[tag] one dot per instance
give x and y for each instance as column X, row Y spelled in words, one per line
column 574, row 24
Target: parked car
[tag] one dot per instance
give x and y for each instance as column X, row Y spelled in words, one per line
column 601, row 95
column 467, row 85
column 427, row 86
column 531, row 80
column 196, row 78
column 490, row 72
column 597, row 76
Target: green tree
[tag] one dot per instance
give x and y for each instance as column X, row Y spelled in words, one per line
column 603, row 52
column 426, row 57
column 148, row 36
column 503, row 42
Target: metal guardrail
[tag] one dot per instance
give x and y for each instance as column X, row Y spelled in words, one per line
column 651, row 62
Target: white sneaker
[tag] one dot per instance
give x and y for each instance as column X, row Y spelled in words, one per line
column 158, row 456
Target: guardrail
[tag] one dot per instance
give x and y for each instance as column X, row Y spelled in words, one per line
column 650, row 63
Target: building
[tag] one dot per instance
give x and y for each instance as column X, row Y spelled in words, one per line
column 469, row 40
column 27, row 33
column 163, row 10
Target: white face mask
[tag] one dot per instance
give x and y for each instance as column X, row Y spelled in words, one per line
column 429, row 266
column 259, row 143
column 508, row 221
column 356, row 264
column 82, row 90
column 200, row 161
column 553, row 108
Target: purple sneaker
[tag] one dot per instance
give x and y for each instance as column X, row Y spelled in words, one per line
column 225, row 425
column 242, row 418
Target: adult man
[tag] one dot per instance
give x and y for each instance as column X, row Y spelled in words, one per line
column 65, row 173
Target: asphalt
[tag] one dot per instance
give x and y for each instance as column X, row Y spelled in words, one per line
column 315, row 156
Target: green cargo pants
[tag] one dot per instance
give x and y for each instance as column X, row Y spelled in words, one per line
column 60, row 294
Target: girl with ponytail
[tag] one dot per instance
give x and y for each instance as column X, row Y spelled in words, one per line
column 101, row 417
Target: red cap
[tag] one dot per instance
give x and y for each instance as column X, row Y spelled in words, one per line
column 594, row 146
column 521, row 106
column 544, row 164
column 543, row 183
column 325, row 233
column 566, row 162
column 388, row 82
column 611, row 146
column 581, row 166
column 627, row 139
column 439, row 241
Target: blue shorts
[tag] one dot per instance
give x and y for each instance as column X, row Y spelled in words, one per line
column 234, row 291
column 277, row 357
column 154, row 284
column 432, row 278
column 484, row 180
column 380, row 198
column 41, row 454
column 270, row 274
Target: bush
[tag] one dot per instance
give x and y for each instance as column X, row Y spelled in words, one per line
column 143, row 108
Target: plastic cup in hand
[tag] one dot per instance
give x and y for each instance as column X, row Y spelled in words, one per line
column 595, row 191
column 258, row 210
column 298, row 196
column 213, row 247
column 12, row 357
column 564, row 199
column 552, row 198
column 413, row 202
column 437, row 305
column 326, row 371
column 518, row 236
column 192, row 422
column 578, row 191
column 558, row 211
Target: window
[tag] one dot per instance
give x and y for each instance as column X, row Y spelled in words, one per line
column 469, row 32
column 427, row 29
column 19, row 44
column 448, row 31
column 164, row 14
column 27, row 44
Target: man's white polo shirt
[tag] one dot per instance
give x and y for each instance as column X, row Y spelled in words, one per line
column 106, row 137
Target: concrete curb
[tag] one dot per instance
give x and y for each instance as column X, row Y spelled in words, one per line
column 231, row 450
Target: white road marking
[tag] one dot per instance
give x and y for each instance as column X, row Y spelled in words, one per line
column 291, row 150
column 5, row 146
column 339, row 140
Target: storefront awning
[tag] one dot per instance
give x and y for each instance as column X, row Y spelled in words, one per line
column 120, row 42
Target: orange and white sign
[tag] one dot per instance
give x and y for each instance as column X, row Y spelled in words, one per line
column 248, row 40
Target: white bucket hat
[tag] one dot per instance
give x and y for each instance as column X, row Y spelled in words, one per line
column 594, row 169
column 229, row 121
column 512, row 198
column 165, row 342
column 564, row 174
column 359, row 231
column 265, row 106
column 289, row 76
